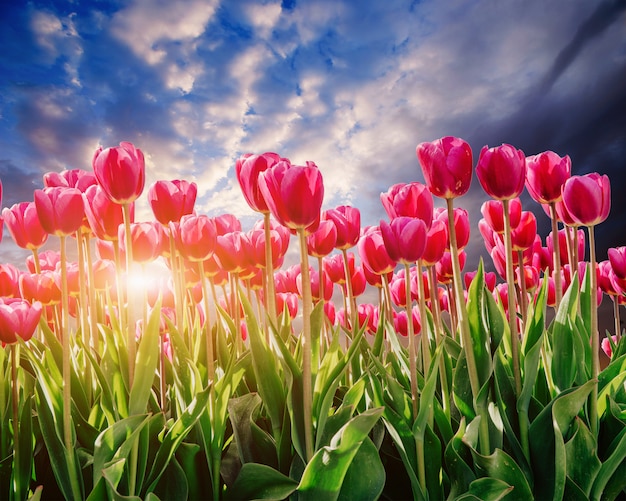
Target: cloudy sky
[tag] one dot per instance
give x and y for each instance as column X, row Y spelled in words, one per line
column 353, row 86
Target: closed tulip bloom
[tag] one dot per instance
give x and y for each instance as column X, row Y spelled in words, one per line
column 247, row 169
column 436, row 243
column 49, row 260
column 171, row 200
column 545, row 175
column 588, row 198
column 411, row 200
column 493, row 213
column 233, row 251
column 501, row 171
column 444, row 266
column 9, row 280
column 580, row 239
column 60, row 210
column 447, row 166
column 334, row 267
column 373, row 253
column 347, row 220
column 226, row 223
column 23, row 224
column 294, row 194
column 322, row 241
column 315, row 285
column 196, row 237
column 42, row 287
column 461, row 225
column 18, row 318
column 523, row 235
column 405, row 238
column 400, row 324
column 120, row 172
column 74, row 178
column 104, row 215
column 256, row 237
column 146, row 240
column 617, row 258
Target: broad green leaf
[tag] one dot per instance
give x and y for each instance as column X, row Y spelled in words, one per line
column 146, row 364
column 324, row 474
column 172, row 484
column 458, row 461
column 610, row 466
column 356, row 484
column 487, row 489
column 581, row 457
column 564, row 360
column 479, row 325
column 259, row 481
column 501, row 466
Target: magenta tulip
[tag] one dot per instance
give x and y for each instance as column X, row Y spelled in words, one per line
column 23, row 224
column 120, row 172
column 501, row 171
column 171, row 200
column 247, row 169
column 60, row 210
column 447, row 166
column 411, row 200
column 587, row 198
column 18, row 318
column 347, row 220
column 373, row 253
column 545, row 175
column 617, row 258
column 405, row 238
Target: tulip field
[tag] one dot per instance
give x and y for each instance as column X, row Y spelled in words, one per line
column 378, row 367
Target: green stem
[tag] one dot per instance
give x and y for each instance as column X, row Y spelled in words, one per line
column 556, row 256
column 466, row 337
column 439, row 336
column 307, row 382
column 595, row 338
column 65, row 340
column 269, row 270
column 130, row 322
column 16, row 421
column 412, row 348
column 84, row 308
column 207, row 323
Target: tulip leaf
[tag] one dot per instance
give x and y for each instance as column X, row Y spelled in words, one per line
column 324, row 474
column 480, row 328
column 614, row 463
column 146, row 364
column 259, row 481
column 503, row 467
column 458, row 460
column 564, row 364
column 581, row 458
column 487, row 489
column 355, row 484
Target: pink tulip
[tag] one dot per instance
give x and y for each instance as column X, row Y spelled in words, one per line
column 411, row 200
column 104, row 216
column 23, row 224
column 588, row 198
column 42, row 287
column 74, row 178
column 523, row 235
column 617, row 258
column 447, row 166
column 404, row 238
column 120, row 172
column 247, row 168
column 501, row 171
column 18, row 318
column 60, row 210
column 436, row 243
column 195, row 237
column 347, row 220
column 171, row 200
column 545, row 175
column 373, row 254
column 9, row 280
column 607, row 348
column 493, row 213
column 322, row 241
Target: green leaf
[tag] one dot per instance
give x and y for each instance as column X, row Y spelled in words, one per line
column 146, row 364
column 487, row 489
column 503, row 467
column 323, row 476
column 479, row 325
column 581, row 457
column 458, row 461
column 564, row 360
column 172, row 484
column 259, row 481
column 355, row 484
column 610, row 466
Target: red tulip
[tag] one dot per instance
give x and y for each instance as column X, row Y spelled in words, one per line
column 75, row 178
column 256, row 237
column 588, row 198
column 286, row 280
column 315, row 285
column 322, row 241
column 233, row 251
column 120, row 172
column 42, row 287
column 436, row 243
column 447, row 166
column 9, row 280
column 104, row 216
column 545, row 175
column 607, row 347
column 347, row 220
column 523, row 235
column 411, row 200
column 247, row 169
column 18, row 318
column 359, row 283
column 171, row 200
column 493, row 213
column 400, row 323
column 373, row 253
column 104, row 275
column 368, row 315
column 285, row 234
column 461, row 225
column 333, row 266
column 195, row 236
column 294, row 194
column 288, row 300
column 405, row 238
column 146, row 239
column 580, row 239
column 617, row 258
column 501, row 171
column 226, row 223
column 444, row 266
column 60, row 210
column 23, row 224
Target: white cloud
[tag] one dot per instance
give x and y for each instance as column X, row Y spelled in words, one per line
column 263, row 17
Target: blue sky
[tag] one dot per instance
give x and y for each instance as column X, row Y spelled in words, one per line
column 353, row 86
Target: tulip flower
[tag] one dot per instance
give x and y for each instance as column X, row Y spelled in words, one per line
column 60, row 210
column 120, row 172
column 494, row 215
column 233, row 251
column 248, row 168
column 196, row 237
column 347, row 220
column 42, row 287
column 523, row 235
column 373, row 253
column 18, row 318
column 322, row 241
column 9, row 280
column 447, row 166
column 617, row 258
column 226, row 223
column 146, row 240
column 293, row 193
column 461, row 225
column 404, row 238
column 587, row 198
column 104, row 216
column 501, row 171
column 411, row 200
column 24, row 226
column 545, row 175
column 436, row 243
column 607, row 346
column 171, row 200
column 74, row 178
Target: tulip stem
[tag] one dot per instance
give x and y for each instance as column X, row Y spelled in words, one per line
column 466, row 336
column 269, row 271
column 209, row 335
column 556, row 256
column 439, row 336
column 16, row 421
column 412, row 348
column 65, row 340
column 595, row 338
column 130, row 330
column 307, row 382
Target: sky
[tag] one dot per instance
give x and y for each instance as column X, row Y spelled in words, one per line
column 352, row 85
